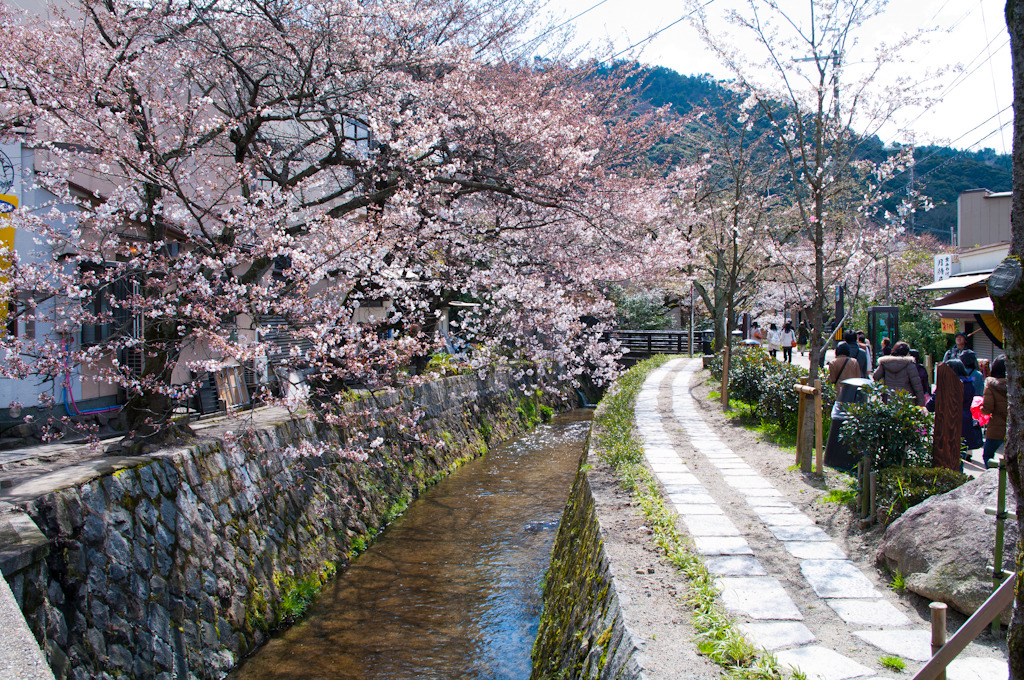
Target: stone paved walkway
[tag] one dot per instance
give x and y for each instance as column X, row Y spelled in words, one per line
column 762, row 603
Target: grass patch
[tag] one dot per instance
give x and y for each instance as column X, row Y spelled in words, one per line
column 893, row 663
column 899, row 581
column 718, row 638
column 841, row 496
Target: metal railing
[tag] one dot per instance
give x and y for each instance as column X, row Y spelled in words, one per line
column 653, row 342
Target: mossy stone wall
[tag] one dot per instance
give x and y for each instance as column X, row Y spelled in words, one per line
column 180, row 564
column 582, row 633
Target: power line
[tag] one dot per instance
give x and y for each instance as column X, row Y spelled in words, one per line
column 568, row 21
column 659, row 31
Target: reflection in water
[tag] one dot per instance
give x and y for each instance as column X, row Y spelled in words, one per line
column 452, row 590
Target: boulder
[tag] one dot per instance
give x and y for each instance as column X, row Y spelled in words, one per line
column 944, row 545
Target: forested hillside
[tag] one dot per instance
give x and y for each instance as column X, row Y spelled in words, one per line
column 940, row 173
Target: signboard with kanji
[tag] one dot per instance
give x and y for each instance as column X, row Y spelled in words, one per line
column 948, row 326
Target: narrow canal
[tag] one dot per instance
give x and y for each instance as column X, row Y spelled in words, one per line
column 453, row 588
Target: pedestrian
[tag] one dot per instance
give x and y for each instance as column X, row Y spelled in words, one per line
column 850, row 338
column 899, row 372
column 862, row 340
column 773, row 340
column 921, row 372
column 843, row 367
column 757, row 333
column 787, row 339
column 954, row 352
column 994, row 404
column 886, row 347
column 802, row 336
column 970, row 360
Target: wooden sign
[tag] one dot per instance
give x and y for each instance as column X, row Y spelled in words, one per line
column 948, row 326
column 949, row 399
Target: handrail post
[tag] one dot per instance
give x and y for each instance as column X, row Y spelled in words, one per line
column 997, row 563
column 938, row 632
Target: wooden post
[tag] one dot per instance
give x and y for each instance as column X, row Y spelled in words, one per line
column 818, row 454
column 800, row 415
column 873, row 490
column 997, row 563
column 949, row 394
column 938, row 632
column 865, row 491
column 725, row 375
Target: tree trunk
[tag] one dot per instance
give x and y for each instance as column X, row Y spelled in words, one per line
column 1009, row 307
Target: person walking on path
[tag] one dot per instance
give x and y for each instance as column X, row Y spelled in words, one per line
column 843, row 367
column 922, row 373
column 773, row 340
column 886, row 349
column 862, row 340
column 956, row 350
column 899, row 372
column 970, row 360
column 994, row 404
column 787, row 339
column 857, row 352
column 802, row 336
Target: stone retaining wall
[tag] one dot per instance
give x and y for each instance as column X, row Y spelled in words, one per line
column 179, row 563
column 582, row 632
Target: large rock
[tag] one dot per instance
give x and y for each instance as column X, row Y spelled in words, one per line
column 944, row 545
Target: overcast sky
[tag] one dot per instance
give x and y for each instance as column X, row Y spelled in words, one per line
column 974, row 110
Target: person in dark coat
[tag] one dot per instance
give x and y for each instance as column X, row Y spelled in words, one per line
column 921, row 372
column 857, row 352
column 843, row 367
column 970, row 360
column 995, row 404
column 899, row 372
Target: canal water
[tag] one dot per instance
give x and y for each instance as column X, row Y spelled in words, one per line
column 453, row 588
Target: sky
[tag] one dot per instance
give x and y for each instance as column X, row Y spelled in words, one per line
column 972, row 98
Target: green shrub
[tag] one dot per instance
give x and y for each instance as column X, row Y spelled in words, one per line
column 900, row 488
column 889, row 428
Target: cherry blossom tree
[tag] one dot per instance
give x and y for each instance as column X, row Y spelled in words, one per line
column 792, row 61
column 736, row 207
column 337, row 172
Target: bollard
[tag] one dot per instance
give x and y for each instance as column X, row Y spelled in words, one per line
column 938, row 631
column 873, row 489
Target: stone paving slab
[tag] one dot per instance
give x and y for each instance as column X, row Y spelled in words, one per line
column 722, row 545
column 710, row 525
column 819, row 663
column 762, row 493
column 796, row 519
column 690, row 498
column 976, row 668
column 775, row 509
column 909, row 644
column 837, row 578
column 685, row 509
column 814, row 550
column 863, row 612
column 777, row 634
column 679, row 478
column 757, row 597
column 766, row 501
column 736, row 565
column 747, row 482
column 800, row 534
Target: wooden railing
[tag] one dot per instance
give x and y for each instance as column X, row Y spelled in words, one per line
column 654, row 342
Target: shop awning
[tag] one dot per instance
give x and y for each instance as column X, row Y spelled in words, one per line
column 981, row 305
column 956, row 282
